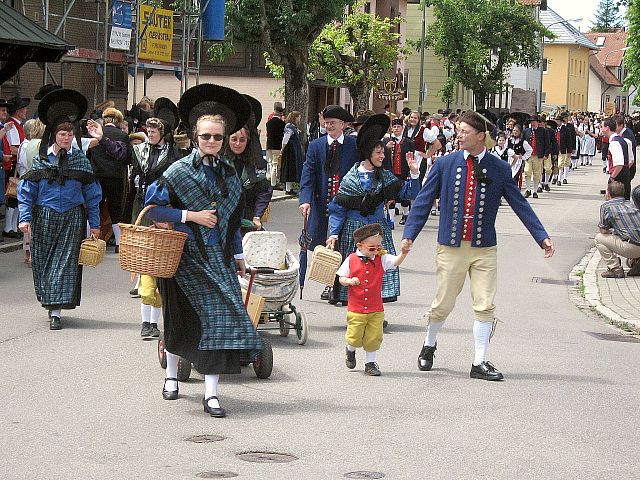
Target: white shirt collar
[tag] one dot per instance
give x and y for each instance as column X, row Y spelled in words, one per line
column 50, row 150
column 340, row 139
column 16, row 120
column 364, row 170
column 480, row 156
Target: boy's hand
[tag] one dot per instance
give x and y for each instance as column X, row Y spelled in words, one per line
column 406, row 245
column 354, row 281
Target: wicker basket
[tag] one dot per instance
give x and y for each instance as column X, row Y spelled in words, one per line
column 150, row 250
column 324, row 265
column 92, row 251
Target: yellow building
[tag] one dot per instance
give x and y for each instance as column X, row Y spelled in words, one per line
column 565, row 79
column 435, row 70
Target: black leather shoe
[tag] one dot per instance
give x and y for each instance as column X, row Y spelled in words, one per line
column 117, row 249
column 403, row 220
column 155, row 332
column 134, row 293
column 214, row 412
column 371, row 368
column 527, row 194
column 170, row 394
column 326, row 294
column 350, row 359
column 564, row 182
column 425, row 359
column 535, row 195
column 539, row 190
column 55, row 323
column 547, row 188
column 485, row 371
column 146, row 330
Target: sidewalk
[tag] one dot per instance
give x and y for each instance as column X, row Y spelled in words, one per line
column 617, row 299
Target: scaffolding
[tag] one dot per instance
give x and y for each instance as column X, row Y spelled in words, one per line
column 187, row 41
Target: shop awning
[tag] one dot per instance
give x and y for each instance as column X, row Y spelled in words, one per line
column 22, row 41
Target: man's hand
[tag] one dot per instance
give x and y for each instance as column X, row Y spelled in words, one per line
column 413, row 164
column 8, row 126
column 94, row 129
column 257, row 222
column 304, row 209
column 549, row 249
column 206, row 218
column 241, row 267
column 331, row 243
column 95, row 232
column 406, row 245
column 25, row 227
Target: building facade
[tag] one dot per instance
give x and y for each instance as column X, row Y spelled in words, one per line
column 608, row 72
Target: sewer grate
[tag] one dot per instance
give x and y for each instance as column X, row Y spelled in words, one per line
column 216, row 475
column 364, row 474
column 266, row 457
column 553, row 281
column 205, row 438
column 614, row 337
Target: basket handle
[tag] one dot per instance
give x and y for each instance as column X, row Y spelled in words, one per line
column 142, row 213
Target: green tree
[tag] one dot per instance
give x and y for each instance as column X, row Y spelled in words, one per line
column 284, row 30
column 607, row 18
column 356, row 51
column 632, row 56
column 480, row 40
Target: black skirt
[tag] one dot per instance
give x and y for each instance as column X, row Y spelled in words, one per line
column 182, row 333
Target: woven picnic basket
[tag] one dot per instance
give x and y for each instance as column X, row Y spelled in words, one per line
column 92, row 251
column 324, row 265
column 150, row 250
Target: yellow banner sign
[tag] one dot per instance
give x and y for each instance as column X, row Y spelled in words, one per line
column 157, row 41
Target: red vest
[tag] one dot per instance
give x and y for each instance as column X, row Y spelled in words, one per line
column 469, row 201
column 366, row 297
column 418, row 140
column 6, row 148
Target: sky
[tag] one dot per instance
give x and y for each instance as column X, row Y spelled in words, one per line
column 570, row 9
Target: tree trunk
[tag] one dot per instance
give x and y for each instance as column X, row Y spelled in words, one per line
column 360, row 94
column 480, row 99
column 296, row 89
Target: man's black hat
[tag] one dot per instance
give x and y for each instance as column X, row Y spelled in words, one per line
column 63, row 105
column 167, row 111
column 336, row 111
column 371, row 133
column 367, row 231
column 210, row 99
column 552, row 124
column 46, row 89
column 16, row 103
column 492, row 117
column 520, row 117
column 256, row 108
column 535, row 118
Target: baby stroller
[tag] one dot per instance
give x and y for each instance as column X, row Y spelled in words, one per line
column 269, row 249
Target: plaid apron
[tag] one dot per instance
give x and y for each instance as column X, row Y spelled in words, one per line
column 55, row 247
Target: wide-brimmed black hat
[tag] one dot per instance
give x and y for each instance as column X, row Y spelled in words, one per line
column 360, row 119
column 3, row 103
column 521, row 117
column 16, row 103
column 492, row 117
column 210, row 99
column 552, row 124
column 371, row 133
column 45, row 90
column 64, row 105
column 256, row 108
column 167, row 111
column 336, row 111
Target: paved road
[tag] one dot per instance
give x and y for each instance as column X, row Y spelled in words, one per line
column 85, row 402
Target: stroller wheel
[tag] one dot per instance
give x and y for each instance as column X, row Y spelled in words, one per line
column 184, row 369
column 162, row 357
column 263, row 364
column 302, row 328
column 284, row 326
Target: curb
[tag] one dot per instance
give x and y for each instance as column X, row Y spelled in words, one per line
column 7, row 247
column 282, row 197
column 588, row 266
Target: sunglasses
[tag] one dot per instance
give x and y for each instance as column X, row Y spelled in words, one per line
column 373, row 248
column 208, row 136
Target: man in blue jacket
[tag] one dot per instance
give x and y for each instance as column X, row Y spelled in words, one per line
column 471, row 183
column 328, row 160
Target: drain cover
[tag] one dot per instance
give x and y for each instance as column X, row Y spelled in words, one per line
column 614, row 337
column 216, row 475
column 205, row 438
column 266, row 457
column 553, row 281
column 364, row 474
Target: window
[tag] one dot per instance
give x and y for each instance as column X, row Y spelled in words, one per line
column 367, row 7
column 545, row 65
column 544, row 97
column 600, row 41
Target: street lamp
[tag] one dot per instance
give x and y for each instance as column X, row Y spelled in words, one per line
column 572, row 20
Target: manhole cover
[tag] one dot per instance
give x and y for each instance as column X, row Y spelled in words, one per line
column 205, row 438
column 364, row 474
column 216, row 475
column 614, row 337
column 553, row 281
column 266, row 457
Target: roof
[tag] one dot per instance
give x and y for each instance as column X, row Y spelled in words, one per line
column 603, row 73
column 612, row 45
column 22, row 41
column 566, row 34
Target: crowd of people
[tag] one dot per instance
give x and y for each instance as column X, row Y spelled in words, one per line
column 200, row 164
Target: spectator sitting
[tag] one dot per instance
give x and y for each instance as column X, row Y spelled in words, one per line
column 619, row 230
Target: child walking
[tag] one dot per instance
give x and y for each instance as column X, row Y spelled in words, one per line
column 363, row 271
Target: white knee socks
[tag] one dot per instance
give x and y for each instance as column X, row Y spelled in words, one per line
column 405, row 211
column 155, row 314
column 481, row 336
column 11, row 219
column 432, row 331
column 371, row 357
column 116, row 233
column 55, row 313
column 288, row 186
column 211, row 390
column 171, row 371
column 145, row 311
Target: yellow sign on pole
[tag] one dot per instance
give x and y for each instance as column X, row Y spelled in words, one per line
column 609, row 109
column 157, row 41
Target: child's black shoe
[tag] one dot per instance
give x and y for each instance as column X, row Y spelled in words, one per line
column 372, row 369
column 350, row 360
